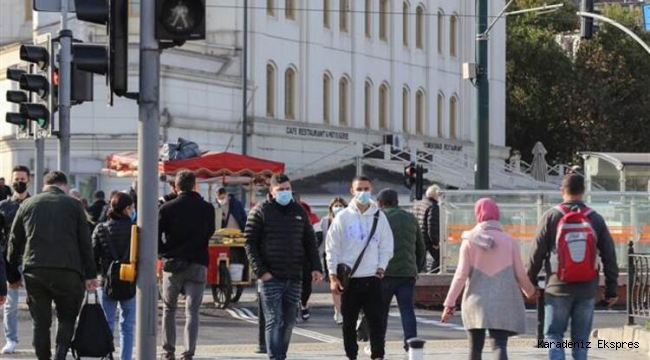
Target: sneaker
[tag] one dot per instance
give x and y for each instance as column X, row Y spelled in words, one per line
column 366, row 350
column 168, row 356
column 10, row 347
column 304, row 313
column 338, row 318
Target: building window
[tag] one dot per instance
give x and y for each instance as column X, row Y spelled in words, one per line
column 290, row 94
column 383, row 107
column 405, row 24
column 327, row 98
column 270, row 7
column 290, row 9
column 405, row 109
column 270, row 90
column 441, row 104
column 453, row 117
column 327, row 22
column 344, row 101
column 419, row 27
column 28, row 9
column 343, row 15
column 453, row 35
column 368, row 18
column 367, row 101
column 419, row 112
column 383, row 20
column 441, row 30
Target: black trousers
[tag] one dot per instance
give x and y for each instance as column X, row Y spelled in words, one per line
column 363, row 294
column 435, row 254
column 306, row 286
column 477, row 340
column 66, row 289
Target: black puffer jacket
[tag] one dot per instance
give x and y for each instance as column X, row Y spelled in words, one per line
column 116, row 232
column 280, row 240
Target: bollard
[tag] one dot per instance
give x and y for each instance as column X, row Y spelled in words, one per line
column 261, row 336
column 416, row 348
column 631, row 273
column 541, row 281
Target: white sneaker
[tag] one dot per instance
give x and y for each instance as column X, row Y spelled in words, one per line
column 10, row 347
column 338, row 318
column 366, row 350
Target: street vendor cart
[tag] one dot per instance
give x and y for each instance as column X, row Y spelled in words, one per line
column 229, row 272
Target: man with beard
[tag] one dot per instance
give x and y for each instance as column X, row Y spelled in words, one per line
column 8, row 209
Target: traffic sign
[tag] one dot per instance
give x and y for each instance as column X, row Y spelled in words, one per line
column 52, row 5
column 646, row 16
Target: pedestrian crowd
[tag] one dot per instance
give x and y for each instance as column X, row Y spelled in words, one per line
column 369, row 249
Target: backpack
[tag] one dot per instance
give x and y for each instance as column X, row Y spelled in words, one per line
column 575, row 246
column 115, row 288
column 92, row 337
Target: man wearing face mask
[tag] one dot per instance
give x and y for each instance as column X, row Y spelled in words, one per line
column 360, row 226
column 8, row 210
column 232, row 210
column 280, row 240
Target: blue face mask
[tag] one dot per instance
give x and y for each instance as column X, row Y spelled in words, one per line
column 284, row 197
column 363, row 197
column 134, row 215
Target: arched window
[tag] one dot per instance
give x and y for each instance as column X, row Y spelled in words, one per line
column 453, row 117
column 405, row 23
column 383, row 20
column 270, row 7
column 419, row 112
column 441, row 31
column 327, row 21
column 383, row 107
column 405, row 109
column 344, row 101
column 419, row 27
column 290, row 9
column 368, row 19
column 270, row 90
column 344, row 9
column 290, row 94
column 441, row 113
column 327, row 98
column 367, row 102
column 453, row 35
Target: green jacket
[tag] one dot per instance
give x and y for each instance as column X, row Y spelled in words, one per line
column 409, row 254
column 51, row 231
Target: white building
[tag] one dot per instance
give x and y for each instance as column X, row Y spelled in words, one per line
column 328, row 80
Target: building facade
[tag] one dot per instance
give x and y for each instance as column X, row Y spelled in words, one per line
column 330, row 82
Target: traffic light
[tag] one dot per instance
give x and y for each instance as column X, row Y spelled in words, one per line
column 111, row 61
column 419, row 181
column 409, row 175
column 586, row 23
column 17, row 97
column 39, row 82
column 180, row 20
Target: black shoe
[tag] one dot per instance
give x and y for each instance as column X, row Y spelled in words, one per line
column 61, row 352
column 168, row 356
column 305, row 314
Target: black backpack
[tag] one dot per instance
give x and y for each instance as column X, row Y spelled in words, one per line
column 114, row 287
column 92, row 337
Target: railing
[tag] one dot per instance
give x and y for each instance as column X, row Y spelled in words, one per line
column 638, row 290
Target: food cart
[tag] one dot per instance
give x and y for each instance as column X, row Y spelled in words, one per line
column 228, row 269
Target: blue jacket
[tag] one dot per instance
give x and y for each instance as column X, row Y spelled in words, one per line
column 237, row 211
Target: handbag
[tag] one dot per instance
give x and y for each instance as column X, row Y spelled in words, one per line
column 115, row 288
column 343, row 271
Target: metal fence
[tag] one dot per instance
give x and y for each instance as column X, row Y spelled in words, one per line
column 627, row 216
column 638, row 290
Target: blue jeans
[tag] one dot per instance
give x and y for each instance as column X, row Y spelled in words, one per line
column 558, row 311
column 127, row 322
column 403, row 289
column 280, row 301
column 11, row 315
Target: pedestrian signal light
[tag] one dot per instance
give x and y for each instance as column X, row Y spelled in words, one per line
column 180, row 20
column 128, row 271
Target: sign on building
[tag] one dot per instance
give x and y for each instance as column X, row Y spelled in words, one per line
column 646, row 16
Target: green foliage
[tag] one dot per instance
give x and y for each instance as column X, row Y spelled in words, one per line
column 598, row 101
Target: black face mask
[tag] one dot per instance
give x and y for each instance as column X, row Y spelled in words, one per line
column 20, row 187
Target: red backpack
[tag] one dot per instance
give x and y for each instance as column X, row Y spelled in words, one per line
column 575, row 246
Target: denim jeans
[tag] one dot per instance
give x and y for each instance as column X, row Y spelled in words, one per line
column 11, row 315
column 280, row 300
column 558, row 311
column 403, row 289
column 127, row 322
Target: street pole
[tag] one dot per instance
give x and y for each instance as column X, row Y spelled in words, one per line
column 149, row 116
column 244, row 115
column 65, row 72
column 482, row 166
column 39, row 163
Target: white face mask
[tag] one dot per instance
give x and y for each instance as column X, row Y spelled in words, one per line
column 222, row 202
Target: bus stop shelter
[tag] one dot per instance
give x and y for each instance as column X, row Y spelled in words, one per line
column 617, row 171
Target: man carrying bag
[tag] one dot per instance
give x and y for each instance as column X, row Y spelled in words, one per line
column 359, row 245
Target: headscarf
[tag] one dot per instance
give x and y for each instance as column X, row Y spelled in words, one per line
column 486, row 209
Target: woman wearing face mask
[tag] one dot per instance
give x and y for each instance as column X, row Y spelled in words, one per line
column 491, row 271
column 336, row 205
column 112, row 241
